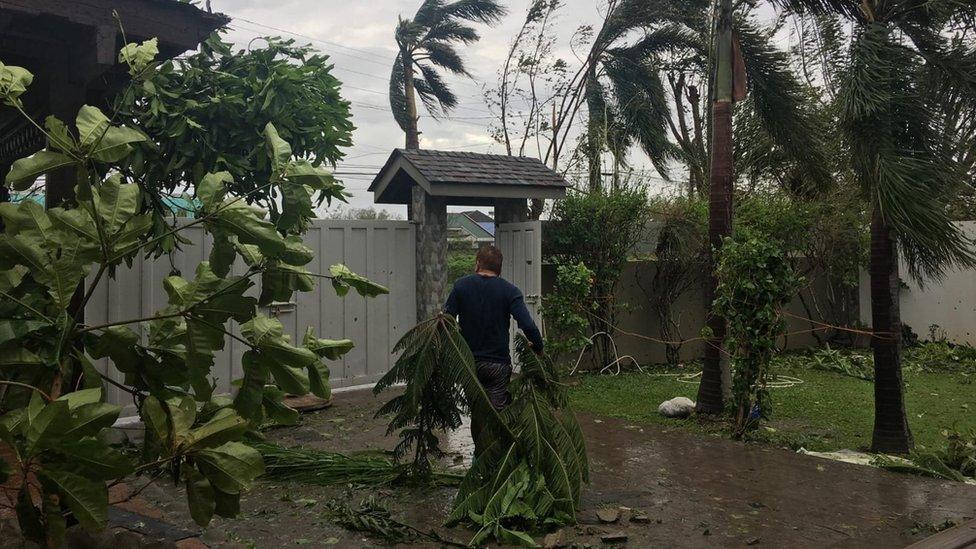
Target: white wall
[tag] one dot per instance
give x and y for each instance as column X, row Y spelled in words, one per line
column 950, row 303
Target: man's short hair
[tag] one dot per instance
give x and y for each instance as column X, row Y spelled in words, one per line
column 490, row 259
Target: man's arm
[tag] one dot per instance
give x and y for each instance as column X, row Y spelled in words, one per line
column 525, row 323
column 451, row 306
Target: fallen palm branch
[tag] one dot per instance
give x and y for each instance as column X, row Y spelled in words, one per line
column 530, row 474
column 371, row 517
column 322, row 468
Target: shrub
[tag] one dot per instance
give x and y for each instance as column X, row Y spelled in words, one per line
column 754, row 281
column 601, row 230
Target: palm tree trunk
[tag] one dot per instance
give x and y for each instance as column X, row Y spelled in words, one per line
column 594, row 130
column 410, row 95
column 891, row 432
column 711, row 390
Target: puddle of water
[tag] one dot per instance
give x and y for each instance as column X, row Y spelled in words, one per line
column 460, row 445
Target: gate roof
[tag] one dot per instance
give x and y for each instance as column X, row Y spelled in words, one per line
column 464, row 178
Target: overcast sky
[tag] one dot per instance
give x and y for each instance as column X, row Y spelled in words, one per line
column 358, row 35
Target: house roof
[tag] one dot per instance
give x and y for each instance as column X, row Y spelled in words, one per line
column 464, row 178
column 464, row 222
column 479, row 216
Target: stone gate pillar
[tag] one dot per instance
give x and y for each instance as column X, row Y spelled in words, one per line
column 429, row 213
column 511, row 210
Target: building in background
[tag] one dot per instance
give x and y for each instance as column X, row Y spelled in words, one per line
column 470, row 230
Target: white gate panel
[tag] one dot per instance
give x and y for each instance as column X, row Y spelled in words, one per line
column 521, row 246
column 383, row 251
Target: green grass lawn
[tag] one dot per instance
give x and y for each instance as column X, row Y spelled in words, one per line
column 828, row 411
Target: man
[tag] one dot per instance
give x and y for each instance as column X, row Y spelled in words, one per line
column 484, row 302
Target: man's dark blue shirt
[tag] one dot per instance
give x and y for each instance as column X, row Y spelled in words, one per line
column 484, row 305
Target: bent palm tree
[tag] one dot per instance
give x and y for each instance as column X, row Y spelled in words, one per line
column 427, row 43
column 625, row 96
column 901, row 156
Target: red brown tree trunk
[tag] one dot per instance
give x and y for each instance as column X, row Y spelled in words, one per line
column 711, row 390
column 714, row 382
column 891, row 432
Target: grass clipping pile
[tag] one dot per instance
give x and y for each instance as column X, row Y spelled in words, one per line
column 529, row 475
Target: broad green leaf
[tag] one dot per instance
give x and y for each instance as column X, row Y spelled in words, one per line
column 25, row 171
column 89, row 420
column 82, row 397
column 13, row 83
column 296, row 252
column 343, row 279
column 199, row 495
column 202, row 341
column 261, row 330
column 212, row 189
column 240, row 308
column 92, row 125
column 275, row 410
column 280, row 281
column 154, row 416
column 60, row 137
column 303, row 173
column 230, row 467
column 116, row 203
column 28, row 519
column 296, row 207
column 119, row 344
column 94, row 459
column 11, row 423
column 76, row 222
column 182, row 413
column 116, row 144
column 44, row 423
column 318, row 380
column 14, row 354
column 87, row 499
column 247, row 402
column 139, row 56
column 332, row 349
column 250, row 227
column 222, row 254
column 279, row 151
column 225, row 425
column 11, row 278
column 16, row 329
column 227, row 505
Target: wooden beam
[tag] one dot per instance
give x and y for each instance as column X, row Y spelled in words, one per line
column 178, row 26
column 958, row 537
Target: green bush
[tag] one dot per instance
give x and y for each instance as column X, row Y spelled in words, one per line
column 460, row 263
column 754, row 281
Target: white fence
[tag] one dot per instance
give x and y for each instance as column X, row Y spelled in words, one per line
column 383, row 251
column 949, row 303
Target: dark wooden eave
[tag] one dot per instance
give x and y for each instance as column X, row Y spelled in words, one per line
column 71, row 47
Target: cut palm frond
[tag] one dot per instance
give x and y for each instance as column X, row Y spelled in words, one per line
column 322, row 468
column 530, row 474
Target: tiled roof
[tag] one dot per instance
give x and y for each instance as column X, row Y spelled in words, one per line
column 477, row 168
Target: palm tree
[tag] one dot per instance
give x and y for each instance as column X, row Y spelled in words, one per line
column 625, row 96
column 747, row 64
column 902, row 158
column 427, row 43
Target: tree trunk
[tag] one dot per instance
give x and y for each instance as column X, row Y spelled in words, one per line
column 410, row 97
column 891, row 432
column 595, row 130
column 713, row 386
